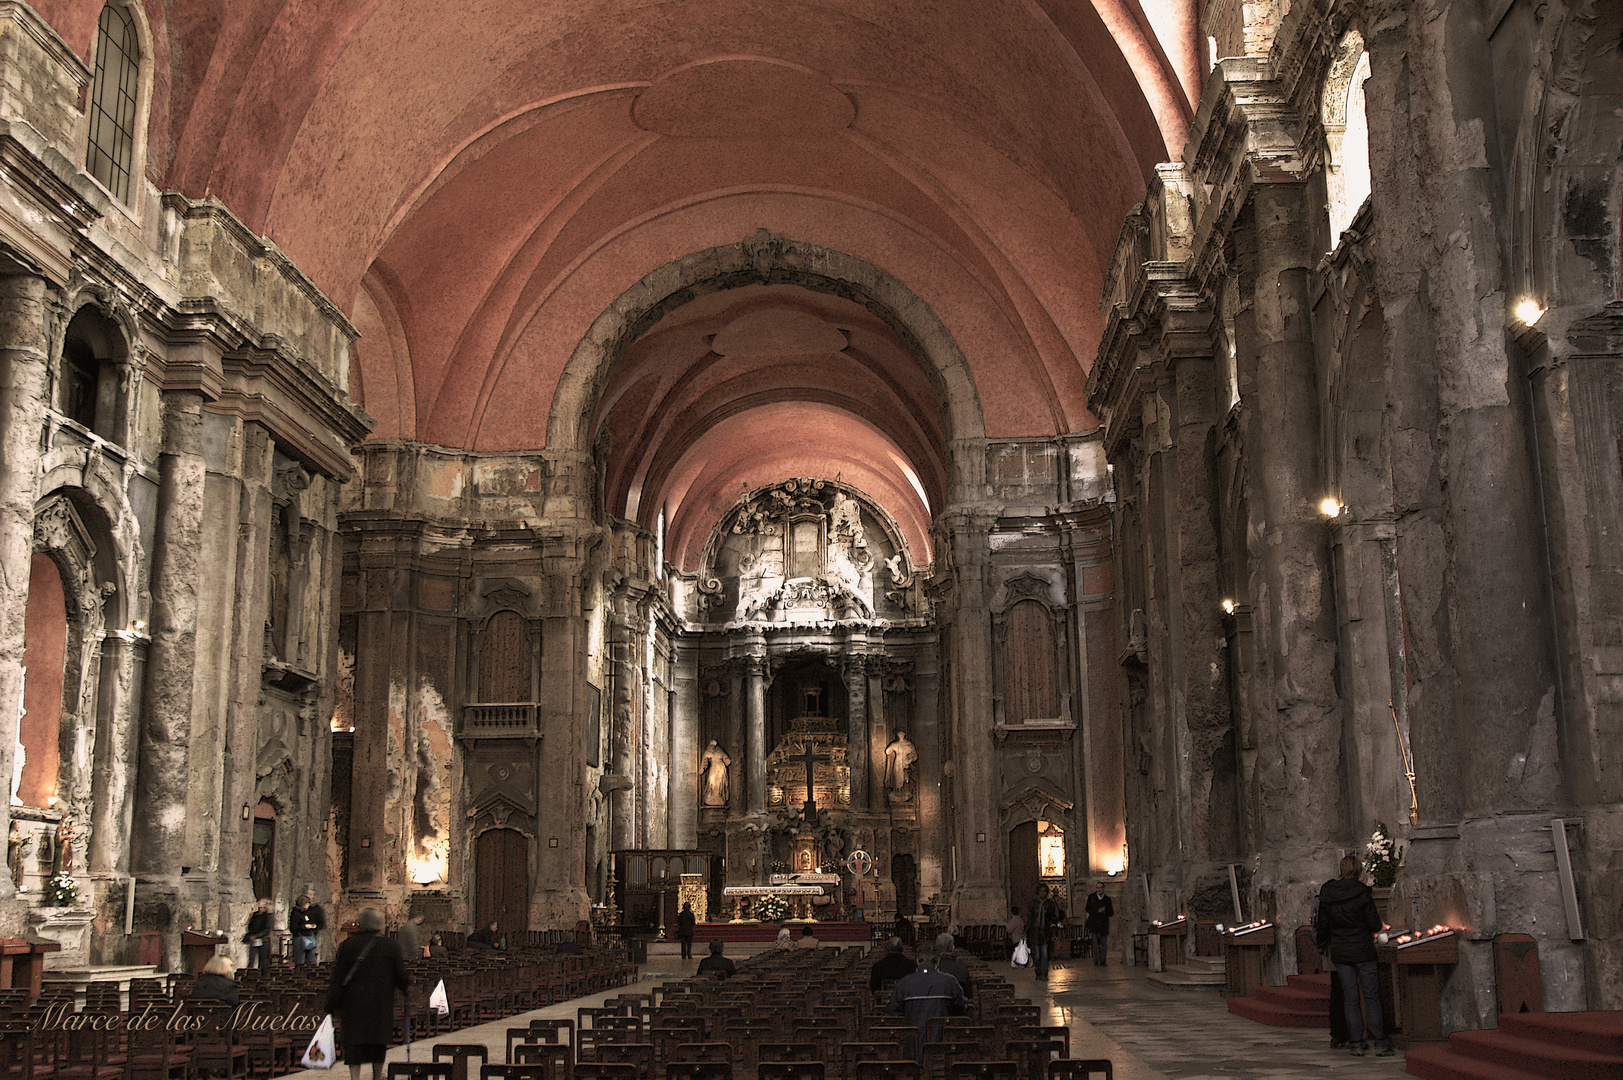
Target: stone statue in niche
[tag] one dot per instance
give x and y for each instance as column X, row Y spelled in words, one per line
column 62, row 863
column 16, row 848
column 899, row 758
column 845, row 519
column 713, row 775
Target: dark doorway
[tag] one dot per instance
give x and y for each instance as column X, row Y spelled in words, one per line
column 904, row 874
column 262, row 864
column 504, row 880
column 1023, row 879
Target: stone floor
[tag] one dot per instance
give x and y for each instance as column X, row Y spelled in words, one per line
column 1148, row 1032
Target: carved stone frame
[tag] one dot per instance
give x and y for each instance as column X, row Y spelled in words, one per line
column 1030, row 586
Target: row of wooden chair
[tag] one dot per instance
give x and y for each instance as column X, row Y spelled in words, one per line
column 896, row 1069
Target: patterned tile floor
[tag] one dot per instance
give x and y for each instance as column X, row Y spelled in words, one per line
column 1153, row 1033
column 1148, row 1032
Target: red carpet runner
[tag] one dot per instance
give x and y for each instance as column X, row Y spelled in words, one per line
column 1304, row 1002
column 1529, row 1046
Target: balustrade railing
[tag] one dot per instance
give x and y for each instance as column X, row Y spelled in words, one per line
column 499, row 719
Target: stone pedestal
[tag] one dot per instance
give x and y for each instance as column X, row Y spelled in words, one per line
column 68, row 927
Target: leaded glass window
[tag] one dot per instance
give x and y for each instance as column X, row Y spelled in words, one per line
column 112, row 102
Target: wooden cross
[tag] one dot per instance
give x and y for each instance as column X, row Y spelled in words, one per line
column 810, row 757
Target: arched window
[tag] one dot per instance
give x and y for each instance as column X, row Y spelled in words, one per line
column 87, row 385
column 114, row 93
column 1346, row 129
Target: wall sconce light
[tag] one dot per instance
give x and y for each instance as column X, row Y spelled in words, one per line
column 1228, row 607
column 51, row 802
column 1331, row 507
column 139, row 626
column 1528, row 311
column 247, row 812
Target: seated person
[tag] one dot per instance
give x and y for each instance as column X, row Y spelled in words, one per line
column 890, row 967
column 216, row 982
column 488, row 938
column 927, row 992
column 436, row 946
column 717, row 964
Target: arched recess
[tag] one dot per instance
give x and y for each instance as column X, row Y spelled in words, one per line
column 1346, row 133
column 1022, row 816
column 93, row 380
column 769, row 259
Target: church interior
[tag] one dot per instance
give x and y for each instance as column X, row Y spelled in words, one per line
column 528, row 462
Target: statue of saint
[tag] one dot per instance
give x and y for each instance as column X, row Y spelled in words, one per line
column 713, row 775
column 63, row 862
column 899, row 756
column 16, row 848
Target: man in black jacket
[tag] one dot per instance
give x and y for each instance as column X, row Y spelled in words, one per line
column 927, row 992
column 894, row 965
column 1100, row 909
column 1347, row 926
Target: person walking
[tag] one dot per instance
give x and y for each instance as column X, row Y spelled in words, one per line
column 1100, row 910
column 1045, row 919
column 258, row 936
column 1016, row 928
column 1348, row 922
column 304, row 922
column 410, row 938
column 686, row 923
column 365, row 975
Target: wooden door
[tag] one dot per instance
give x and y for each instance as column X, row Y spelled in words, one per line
column 503, row 880
column 1023, row 879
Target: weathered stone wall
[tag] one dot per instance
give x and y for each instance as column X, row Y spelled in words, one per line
column 1456, row 603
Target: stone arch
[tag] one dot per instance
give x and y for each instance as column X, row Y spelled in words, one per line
column 93, row 347
column 769, row 259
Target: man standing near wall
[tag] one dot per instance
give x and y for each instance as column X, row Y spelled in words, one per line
column 1100, row 909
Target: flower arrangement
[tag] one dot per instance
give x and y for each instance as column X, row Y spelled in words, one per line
column 771, row 908
column 1382, row 858
column 60, row 891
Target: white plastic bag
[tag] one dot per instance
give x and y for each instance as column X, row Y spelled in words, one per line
column 1022, row 955
column 438, row 1001
column 319, row 1054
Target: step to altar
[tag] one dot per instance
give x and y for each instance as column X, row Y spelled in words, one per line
column 841, row 933
column 1304, row 1001
column 1528, row 1046
column 1200, row 973
column 119, row 973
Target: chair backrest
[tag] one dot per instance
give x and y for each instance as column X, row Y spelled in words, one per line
column 513, row 1072
column 639, row 1054
column 888, row 1070
column 559, row 1058
column 701, row 1051
column 1081, row 1069
column 605, row 1070
column 556, row 1030
column 982, row 1070
column 698, row 1070
column 790, row 1051
column 420, row 1070
column 789, row 1070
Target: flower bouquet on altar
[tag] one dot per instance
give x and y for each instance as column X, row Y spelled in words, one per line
column 1382, row 858
column 60, row 891
column 771, row 908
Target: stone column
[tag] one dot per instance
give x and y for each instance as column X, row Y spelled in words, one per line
column 23, row 381
column 855, row 672
column 683, row 812
column 873, row 737
column 159, row 828
column 247, row 622
column 755, row 732
column 1297, row 702
column 982, row 892
column 736, row 725
column 622, row 724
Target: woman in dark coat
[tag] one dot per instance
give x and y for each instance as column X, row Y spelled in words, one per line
column 365, row 975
